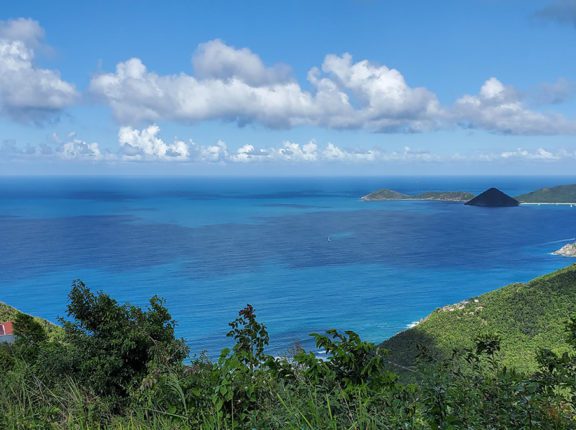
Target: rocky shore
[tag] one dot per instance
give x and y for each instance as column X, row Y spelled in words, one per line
column 568, row 250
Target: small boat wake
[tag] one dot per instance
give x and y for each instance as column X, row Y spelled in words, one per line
column 570, row 239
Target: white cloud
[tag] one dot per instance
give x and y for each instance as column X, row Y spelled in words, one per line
column 25, row 30
column 76, row 149
column 291, row 151
column 384, row 101
column 217, row 153
column 500, row 109
column 216, row 60
column 28, row 93
column 145, row 144
column 136, row 95
column 234, row 85
column 538, row 154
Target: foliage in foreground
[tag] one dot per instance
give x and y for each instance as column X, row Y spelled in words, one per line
column 121, row 367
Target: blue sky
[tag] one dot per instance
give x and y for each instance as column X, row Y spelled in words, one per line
column 254, row 87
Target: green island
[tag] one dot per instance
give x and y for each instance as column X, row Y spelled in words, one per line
column 503, row 360
column 561, row 194
column 385, row 194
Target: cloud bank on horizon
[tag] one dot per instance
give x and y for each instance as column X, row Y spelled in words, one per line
column 234, row 85
column 146, row 144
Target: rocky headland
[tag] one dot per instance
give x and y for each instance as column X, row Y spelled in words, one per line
column 568, row 250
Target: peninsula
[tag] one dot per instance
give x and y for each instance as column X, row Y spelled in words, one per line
column 562, row 194
column 447, row 196
column 527, row 316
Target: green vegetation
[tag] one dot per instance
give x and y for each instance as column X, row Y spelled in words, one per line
column 8, row 313
column 458, row 196
column 528, row 316
column 384, row 194
column 118, row 366
column 559, row 194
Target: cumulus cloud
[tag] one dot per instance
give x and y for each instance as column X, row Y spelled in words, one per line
column 145, row 144
column 234, row 85
column 501, row 109
column 385, row 101
column 561, row 11
column 77, row 149
column 28, row 93
column 25, row 30
column 216, row 60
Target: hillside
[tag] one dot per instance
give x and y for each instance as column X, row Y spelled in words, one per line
column 526, row 316
column 559, row 194
column 8, row 313
column 456, row 196
column 385, row 194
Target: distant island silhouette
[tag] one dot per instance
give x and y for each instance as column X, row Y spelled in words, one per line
column 493, row 197
column 446, row 196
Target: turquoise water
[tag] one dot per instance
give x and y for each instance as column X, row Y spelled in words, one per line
column 306, row 252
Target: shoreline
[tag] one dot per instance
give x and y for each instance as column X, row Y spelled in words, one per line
column 412, row 200
column 548, row 203
column 463, row 201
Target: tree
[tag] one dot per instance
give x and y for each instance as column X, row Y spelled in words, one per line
column 114, row 344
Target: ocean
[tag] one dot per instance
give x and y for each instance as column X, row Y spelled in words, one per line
column 307, row 253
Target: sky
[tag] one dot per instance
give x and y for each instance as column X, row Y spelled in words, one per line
column 324, row 87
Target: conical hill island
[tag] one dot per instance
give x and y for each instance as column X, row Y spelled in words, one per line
column 493, row 197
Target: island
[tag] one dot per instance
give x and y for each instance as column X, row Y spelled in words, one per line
column 562, row 194
column 385, row 194
column 493, row 197
column 447, row 196
column 568, row 250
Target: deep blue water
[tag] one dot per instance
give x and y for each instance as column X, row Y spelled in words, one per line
column 307, row 253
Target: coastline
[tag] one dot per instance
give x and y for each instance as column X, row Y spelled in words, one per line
column 452, row 200
column 548, row 203
column 411, row 199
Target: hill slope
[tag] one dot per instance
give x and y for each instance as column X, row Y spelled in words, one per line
column 385, row 194
column 527, row 317
column 559, row 194
column 456, row 196
column 8, row 313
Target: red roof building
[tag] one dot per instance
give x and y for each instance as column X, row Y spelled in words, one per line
column 7, row 332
